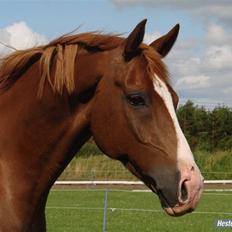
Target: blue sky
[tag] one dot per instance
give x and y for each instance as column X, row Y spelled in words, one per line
column 53, row 18
column 200, row 63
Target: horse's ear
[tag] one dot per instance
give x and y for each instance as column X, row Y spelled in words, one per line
column 133, row 41
column 164, row 44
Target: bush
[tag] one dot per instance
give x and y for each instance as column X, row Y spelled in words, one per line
column 89, row 149
column 215, row 165
column 225, row 143
column 205, row 129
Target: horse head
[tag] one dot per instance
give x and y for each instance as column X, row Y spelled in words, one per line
column 134, row 120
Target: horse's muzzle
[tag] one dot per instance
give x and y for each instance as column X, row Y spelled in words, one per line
column 189, row 193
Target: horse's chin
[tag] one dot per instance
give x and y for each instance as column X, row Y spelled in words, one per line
column 166, row 207
column 175, row 210
column 178, row 209
column 169, row 210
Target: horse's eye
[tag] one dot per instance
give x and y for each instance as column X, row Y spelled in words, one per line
column 136, row 100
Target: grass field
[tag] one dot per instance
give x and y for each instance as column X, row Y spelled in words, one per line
column 82, row 211
column 90, row 164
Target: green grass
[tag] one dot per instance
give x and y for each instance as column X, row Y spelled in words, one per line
column 82, row 211
column 97, row 167
column 215, row 165
column 92, row 165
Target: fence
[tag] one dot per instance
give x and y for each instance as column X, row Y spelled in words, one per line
column 91, row 165
column 118, row 210
column 107, row 209
column 210, row 185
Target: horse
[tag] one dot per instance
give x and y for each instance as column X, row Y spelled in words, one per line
column 54, row 97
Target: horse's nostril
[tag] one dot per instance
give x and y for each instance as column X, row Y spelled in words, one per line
column 183, row 192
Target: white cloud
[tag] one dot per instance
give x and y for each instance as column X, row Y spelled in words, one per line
column 202, row 71
column 219, row 57
column 227, row 90
column 220, row 9
column 208, row 8
column 217, row 35
column 19, row 36
column 193, row 82
column 218, row 51
column 149, row 38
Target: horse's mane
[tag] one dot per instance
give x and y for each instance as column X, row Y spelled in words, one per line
column 62, row 53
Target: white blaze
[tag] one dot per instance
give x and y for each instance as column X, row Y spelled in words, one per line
column 183, row 150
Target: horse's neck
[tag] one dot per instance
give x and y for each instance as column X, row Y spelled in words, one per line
column 45, row 133
column 40, row 135
column 71, row 113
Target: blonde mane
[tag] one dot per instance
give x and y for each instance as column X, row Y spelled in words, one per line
column 62, row 53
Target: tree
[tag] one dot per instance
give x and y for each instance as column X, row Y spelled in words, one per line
column 204, row 129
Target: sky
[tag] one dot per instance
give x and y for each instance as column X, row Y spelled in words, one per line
column 200, row 63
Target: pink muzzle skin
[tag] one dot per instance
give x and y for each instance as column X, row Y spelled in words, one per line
column 190, row 191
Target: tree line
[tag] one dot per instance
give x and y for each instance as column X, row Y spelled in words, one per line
column 208, row 130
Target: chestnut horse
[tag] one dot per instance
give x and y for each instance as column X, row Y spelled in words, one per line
column 53, row 98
